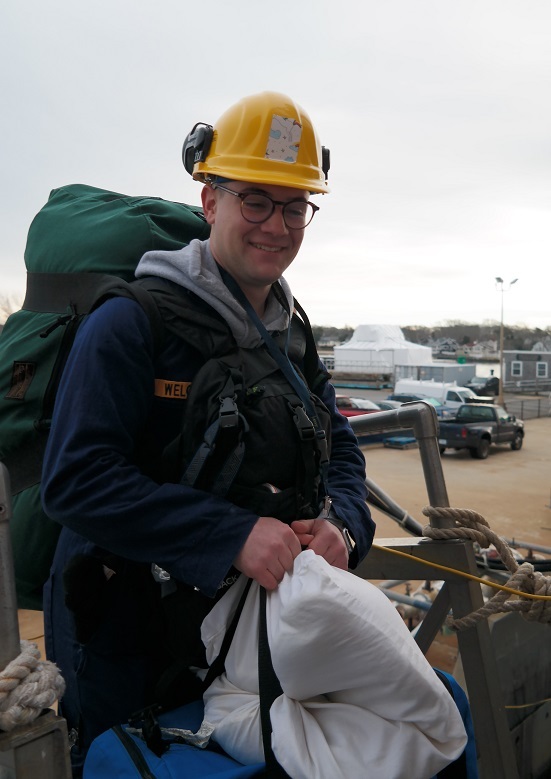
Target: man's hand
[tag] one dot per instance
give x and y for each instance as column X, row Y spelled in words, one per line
column 324, row 539
column 268, row 552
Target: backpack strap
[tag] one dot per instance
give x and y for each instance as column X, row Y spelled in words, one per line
column 230, row 425
column 315, row 373
column 77, row 294
column 139, row 292
column 289, row 371
column 59, row 293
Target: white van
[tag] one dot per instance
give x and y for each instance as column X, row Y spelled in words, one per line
column 447, row 393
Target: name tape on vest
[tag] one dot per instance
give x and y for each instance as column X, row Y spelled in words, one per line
column 171, row 389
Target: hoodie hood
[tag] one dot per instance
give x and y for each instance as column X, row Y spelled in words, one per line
column 193, row 267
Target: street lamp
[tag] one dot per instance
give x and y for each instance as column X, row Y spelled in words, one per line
column 500, row 281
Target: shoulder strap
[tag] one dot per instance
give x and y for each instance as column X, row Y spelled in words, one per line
column 315, row 373
column 289, row 371
column 187, row 316
column 137, row 291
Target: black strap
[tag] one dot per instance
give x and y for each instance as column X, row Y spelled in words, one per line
column 49, row 293
column 269, row 690
column 79, row 293
column 269, row 686
column 229, row 426
column 288, row 370
column 218, row 665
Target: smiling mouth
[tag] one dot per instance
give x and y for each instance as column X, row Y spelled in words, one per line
column 264, row 248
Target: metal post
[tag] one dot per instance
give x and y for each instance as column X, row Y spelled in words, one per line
column 41, row 748
column 500, row 398
column 9, row 625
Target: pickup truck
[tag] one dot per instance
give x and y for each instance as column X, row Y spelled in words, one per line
column 476, row 426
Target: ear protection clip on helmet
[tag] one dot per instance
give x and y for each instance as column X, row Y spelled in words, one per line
column 197, row 145
column 325, row 161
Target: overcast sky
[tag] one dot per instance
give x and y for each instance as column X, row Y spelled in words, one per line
column 437, row 114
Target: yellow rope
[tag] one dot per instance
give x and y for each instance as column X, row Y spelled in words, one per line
column 496, row 586
column 527, row 705
column 464, row 574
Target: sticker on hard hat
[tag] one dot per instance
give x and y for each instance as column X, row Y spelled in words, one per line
column 284, row 139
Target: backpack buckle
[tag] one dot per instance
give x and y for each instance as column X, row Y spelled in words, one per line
column 150, row 729
column 304, row 424
column 229, row 413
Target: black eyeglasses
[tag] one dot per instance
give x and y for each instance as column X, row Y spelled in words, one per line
column 257, row 208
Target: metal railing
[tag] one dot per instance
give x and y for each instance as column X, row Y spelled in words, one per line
column 532, row 386
column 529, row 408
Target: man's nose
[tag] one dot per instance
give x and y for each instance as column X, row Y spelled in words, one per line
column 276, row 222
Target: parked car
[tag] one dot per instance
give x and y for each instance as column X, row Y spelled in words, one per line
column 352, row 407
column 477, row 426
column 389, row 405
column 483, row 385
column 441, row 411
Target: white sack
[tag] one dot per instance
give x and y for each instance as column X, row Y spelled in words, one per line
column 359, row 698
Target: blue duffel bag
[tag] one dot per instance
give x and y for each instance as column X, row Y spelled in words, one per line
column 121, row 754
column 145, row 748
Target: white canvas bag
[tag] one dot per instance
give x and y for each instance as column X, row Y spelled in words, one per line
column 359, row 698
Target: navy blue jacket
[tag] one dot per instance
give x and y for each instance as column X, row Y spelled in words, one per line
column 107, row 410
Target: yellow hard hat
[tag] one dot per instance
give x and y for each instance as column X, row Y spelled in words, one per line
column 264, row 139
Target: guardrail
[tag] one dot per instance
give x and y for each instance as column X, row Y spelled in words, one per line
column 527, row 385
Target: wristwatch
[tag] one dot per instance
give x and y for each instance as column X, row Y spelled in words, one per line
column 345, row 532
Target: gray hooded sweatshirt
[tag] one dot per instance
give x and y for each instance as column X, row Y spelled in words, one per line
column 194, row 268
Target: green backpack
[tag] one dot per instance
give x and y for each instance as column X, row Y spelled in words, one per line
column 82, row 245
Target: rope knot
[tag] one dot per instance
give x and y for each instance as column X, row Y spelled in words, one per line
column 27, row 687
column 469, row 525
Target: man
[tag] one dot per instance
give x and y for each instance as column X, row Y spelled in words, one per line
column 105, row 478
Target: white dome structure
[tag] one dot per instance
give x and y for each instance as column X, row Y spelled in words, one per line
column 377, row 349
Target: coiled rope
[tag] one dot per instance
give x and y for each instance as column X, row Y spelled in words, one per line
column 27, row 687
column 470, row 525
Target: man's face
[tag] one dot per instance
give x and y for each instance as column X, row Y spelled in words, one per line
column 255, row 255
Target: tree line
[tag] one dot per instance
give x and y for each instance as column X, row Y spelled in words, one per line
column 515, row 337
